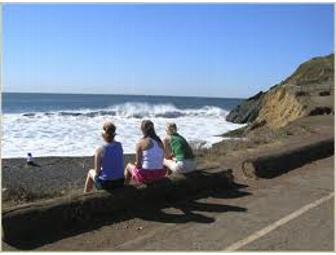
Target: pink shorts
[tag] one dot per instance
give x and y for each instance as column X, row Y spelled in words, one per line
column 146, row 176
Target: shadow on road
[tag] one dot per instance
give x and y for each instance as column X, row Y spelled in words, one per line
column 189, row 210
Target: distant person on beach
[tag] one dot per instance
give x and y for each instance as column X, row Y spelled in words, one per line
column 108, row 172
column 148, row 166
column 178, row 153
column 30, row 160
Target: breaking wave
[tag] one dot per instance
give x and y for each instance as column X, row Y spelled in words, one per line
column 78, row 132
column 138, row 111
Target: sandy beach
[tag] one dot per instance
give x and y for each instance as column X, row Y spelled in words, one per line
column 55, row 176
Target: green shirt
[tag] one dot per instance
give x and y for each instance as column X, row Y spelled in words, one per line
column 180, row 148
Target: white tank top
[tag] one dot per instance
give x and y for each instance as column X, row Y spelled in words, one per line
column 152, row 159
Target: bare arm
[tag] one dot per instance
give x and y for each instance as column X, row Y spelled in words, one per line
column 97, row 160
column 166, row 147
column 138, row 155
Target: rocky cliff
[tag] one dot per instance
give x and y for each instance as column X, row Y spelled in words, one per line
column 308, row 91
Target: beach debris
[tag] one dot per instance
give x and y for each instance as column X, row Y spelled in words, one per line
column 139, row 228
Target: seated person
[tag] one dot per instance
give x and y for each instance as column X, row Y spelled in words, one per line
column 30, row 160
column 108, row 161
column 178, row 153
column 148, row 166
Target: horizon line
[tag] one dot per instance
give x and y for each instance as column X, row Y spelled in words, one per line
column 107, row 94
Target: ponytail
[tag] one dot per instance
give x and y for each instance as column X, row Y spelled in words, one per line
column 148, row 130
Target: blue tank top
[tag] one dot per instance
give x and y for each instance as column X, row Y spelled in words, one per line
column 112, row 167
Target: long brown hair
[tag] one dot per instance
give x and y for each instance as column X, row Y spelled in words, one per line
column 148, row 130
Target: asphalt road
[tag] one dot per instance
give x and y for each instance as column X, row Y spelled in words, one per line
column 293, row 212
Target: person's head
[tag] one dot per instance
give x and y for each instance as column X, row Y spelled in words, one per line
column 109, row 131
column 171, row 128
column 147, row 128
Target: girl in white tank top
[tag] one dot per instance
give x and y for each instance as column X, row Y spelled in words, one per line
column 149, row 157
column 152, row 159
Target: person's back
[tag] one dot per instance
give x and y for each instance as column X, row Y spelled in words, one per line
column 149, row 157
column 108, row 171
column 179, row 156
column 152, row 158
column 112, row 167
column 180, row 148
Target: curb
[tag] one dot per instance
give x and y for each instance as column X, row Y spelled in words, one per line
column 274, row 164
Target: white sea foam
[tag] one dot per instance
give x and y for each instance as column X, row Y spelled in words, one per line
column 78, row 133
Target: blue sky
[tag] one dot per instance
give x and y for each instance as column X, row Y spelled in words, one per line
column 217, row 50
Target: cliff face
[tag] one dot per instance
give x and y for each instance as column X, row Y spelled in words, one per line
column 308, row 91
column 280, row 107
column 247, row 111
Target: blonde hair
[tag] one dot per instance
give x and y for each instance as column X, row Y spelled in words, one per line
column 171, row 128
column 109, row 131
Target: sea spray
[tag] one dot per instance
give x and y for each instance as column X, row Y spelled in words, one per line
column 77, row 132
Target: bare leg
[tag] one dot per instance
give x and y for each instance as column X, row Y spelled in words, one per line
column 88, row 182
column 170, row 164
column 127, row 172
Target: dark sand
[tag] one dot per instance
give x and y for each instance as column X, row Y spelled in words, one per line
column 55, row 176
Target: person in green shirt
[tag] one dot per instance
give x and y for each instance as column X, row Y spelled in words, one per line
column 179, row 156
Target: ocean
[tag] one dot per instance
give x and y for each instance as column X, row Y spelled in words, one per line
column 71, row 124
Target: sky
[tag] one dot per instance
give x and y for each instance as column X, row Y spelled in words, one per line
column 210, row 50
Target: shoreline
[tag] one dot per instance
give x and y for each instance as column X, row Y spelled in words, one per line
column 56, row 157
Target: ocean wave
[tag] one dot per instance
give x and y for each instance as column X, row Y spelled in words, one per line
column 77, row 133
column 138, row 111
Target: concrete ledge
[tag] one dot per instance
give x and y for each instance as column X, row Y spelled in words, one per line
column 36, row 220
column 276, row 163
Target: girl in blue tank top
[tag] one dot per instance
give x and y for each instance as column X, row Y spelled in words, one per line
column 108, row 172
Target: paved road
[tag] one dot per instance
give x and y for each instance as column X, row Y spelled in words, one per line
column 311, row 231
column 245, row 219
